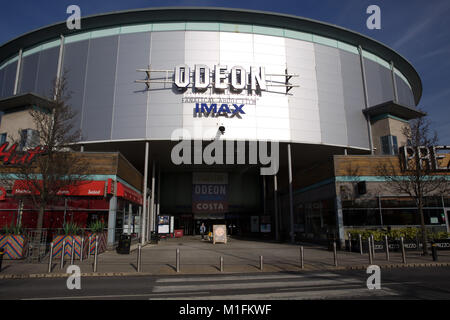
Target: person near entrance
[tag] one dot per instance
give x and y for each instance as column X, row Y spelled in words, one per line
column 203, row 230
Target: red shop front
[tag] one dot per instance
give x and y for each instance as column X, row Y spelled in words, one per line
column 81, row 204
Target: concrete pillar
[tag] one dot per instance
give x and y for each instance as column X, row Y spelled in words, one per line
column 130, row 218
column 275, row 202
column 158, row 191
column 291, row 199
column 144, row 198
column 112, row 215
column 152, row 200
column 340, row 221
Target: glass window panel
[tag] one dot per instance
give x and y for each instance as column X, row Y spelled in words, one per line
column 325, row 41
column 229, row 27
column 202, row 26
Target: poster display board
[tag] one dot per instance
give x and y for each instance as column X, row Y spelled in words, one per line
column 219, row 233
column 163, row 224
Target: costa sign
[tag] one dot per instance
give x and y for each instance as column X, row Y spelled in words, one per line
column 12, row 157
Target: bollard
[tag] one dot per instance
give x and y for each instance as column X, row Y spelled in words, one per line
column 89, row 247
column 373, row 245
column 403, row 250
column 139, row 252
column 178, row 260
column 370, row 251
column 72, row 252
column 434, row 251
column 221, row 264
column 387, row 247
column 50, row 258
column 261, row 263
column 81, row 249
column 2, row 252
column 96, row 254
column 62, row 253
column 360, row 244
column 349, row 242
column 335, row 254
column 302, row 257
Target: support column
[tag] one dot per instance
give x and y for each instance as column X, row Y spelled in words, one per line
column 112, row 215
column 291, row 200
column 394, row 82
column 152, row 200
column 366, row 98
column 19, row 66
column 445, row 214
column 264, row 195
column 340, row 221
column 130, row 217
column 158, row 191
column 275, row 201
column 144, row 198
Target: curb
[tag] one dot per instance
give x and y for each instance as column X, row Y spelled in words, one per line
column 134, row 274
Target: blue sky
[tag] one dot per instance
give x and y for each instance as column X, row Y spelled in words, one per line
column 419, row 30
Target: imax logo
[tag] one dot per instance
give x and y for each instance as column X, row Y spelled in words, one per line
column 215, row 111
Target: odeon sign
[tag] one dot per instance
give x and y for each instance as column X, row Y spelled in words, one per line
column 219, row 79
column 239, row 81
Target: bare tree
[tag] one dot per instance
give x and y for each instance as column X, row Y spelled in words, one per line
column 413, row 174
column 59, row 168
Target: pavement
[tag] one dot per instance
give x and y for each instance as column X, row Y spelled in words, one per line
column 199, row 257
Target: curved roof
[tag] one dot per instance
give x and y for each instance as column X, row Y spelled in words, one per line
column 214, row 14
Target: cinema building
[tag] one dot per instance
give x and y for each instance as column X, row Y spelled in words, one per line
column 143, row 81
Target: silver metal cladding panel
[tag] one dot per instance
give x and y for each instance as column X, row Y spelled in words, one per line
column 28, row 73
column 100, row 82
column 165, row 109
column 354, row 99
column 379, row 83
column 2, row 77
column 303, row 103
column 9, row 79
column 130, row 100
column 48, row 65
column 333, row 121
column 405, row 95
column 74, row 69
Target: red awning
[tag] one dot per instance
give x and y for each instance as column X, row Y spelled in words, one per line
column 124, row 191
column 83, row 188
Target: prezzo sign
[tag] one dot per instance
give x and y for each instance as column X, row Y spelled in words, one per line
column 426, row 157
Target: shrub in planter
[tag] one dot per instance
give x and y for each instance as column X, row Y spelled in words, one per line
column 70, row 233
column 13, row 240
column 96, row 228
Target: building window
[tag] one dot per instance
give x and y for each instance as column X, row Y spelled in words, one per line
column 29, row 138
column 389, row 145
column 2, row 138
